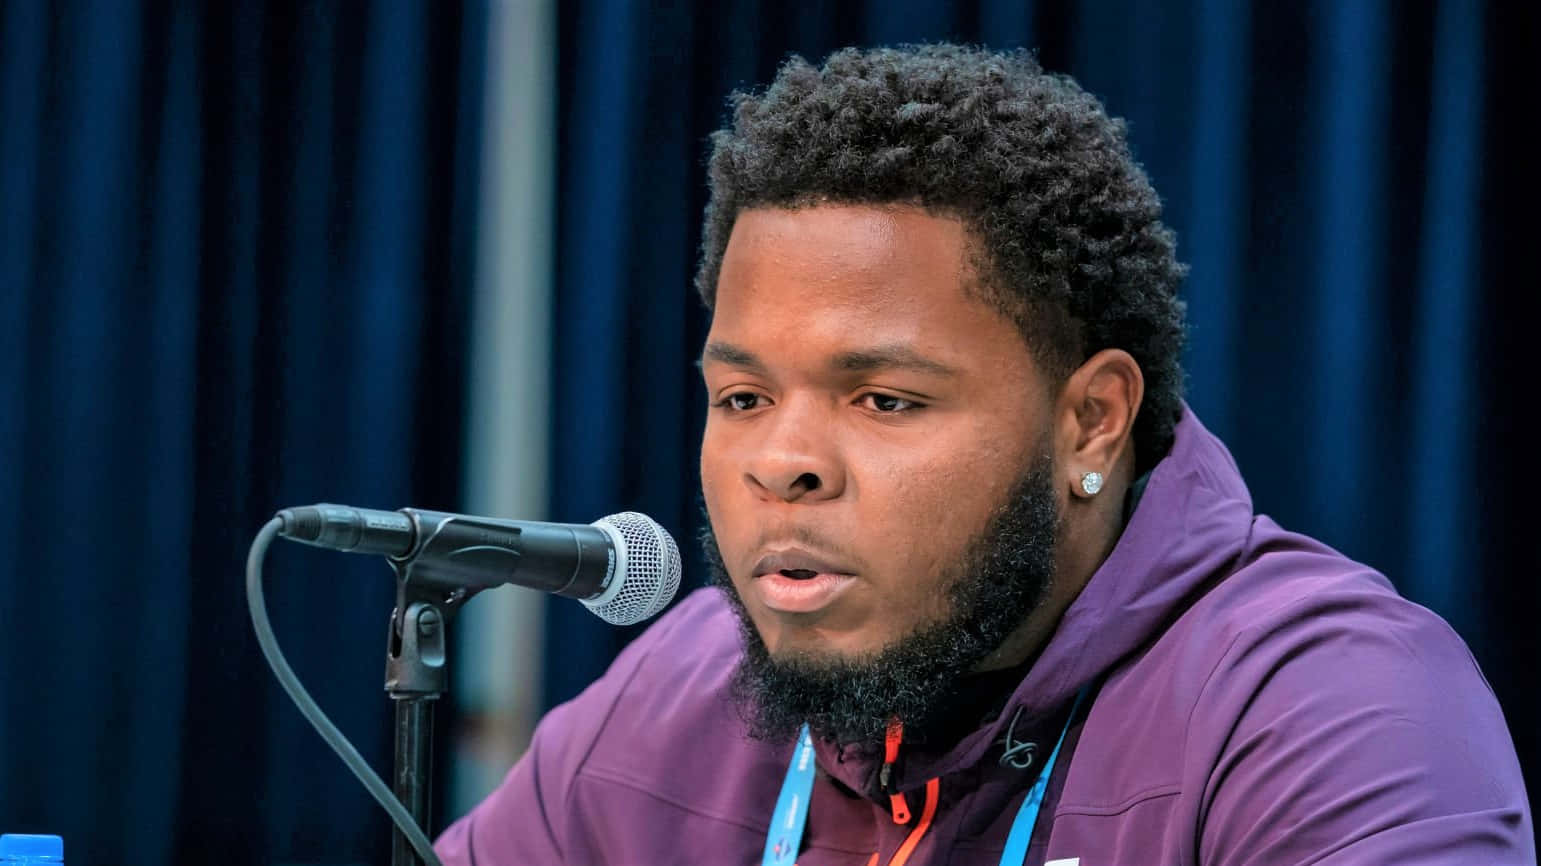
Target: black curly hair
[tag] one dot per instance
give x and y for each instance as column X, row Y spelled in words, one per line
column 1066, row 229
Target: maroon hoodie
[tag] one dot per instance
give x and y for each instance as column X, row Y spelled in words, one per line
column 1260, row 699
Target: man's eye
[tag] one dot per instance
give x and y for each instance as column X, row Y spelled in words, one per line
column 740, row 401
column 888, row 403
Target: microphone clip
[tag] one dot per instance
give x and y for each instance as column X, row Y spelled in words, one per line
column 416, row 653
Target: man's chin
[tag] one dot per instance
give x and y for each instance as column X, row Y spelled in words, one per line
column 817, row 650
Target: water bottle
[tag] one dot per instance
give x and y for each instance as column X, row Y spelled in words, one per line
column 19, row 848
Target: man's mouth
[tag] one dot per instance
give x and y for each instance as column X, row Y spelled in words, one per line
column 798, row 581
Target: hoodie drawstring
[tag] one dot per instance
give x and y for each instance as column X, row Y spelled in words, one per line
column 901, row 808
column 891, row 743
column 902, row 856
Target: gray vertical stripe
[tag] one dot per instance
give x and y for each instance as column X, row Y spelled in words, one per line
column 497, row 664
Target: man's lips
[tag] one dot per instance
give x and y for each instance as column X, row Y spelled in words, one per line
column 796, row 581
column 796, row 560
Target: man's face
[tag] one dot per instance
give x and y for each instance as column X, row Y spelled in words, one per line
column 869, row 416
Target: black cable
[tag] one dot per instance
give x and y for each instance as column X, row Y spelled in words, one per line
column 302, row 699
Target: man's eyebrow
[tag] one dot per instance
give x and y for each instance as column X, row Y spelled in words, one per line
column 890, row 357
column 735, row 356
column 887, row 357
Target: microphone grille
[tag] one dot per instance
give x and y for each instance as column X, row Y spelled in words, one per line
column 649, row 564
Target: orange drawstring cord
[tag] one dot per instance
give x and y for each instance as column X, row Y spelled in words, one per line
column 901, row 809
column 933, row 791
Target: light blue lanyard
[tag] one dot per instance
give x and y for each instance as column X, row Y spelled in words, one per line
column 786, row 830
column 791, row 816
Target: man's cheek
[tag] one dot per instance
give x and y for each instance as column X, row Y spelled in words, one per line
column 711, row 498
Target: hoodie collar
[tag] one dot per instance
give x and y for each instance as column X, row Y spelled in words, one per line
column 1192, row 519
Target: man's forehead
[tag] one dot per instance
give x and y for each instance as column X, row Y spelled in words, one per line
column 844, row 227
column 833, row 250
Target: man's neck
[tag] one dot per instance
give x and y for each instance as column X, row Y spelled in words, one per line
column 977, row 701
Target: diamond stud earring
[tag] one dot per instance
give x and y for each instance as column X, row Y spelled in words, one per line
column 1091, row 482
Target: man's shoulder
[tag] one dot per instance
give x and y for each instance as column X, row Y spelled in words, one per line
column 652, row 746
column 1289, row 589
column 663, row 725
column 700, row 632
column 691, row 647
column 1300, row 690
column 1336, row 704
column 1309, row 652
column 1294, row 624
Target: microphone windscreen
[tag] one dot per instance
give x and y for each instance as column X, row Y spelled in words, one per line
column 647, row 570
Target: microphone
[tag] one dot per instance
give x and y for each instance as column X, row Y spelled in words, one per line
column 625, row 567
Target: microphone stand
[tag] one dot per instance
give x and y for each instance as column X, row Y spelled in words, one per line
column 415, row 677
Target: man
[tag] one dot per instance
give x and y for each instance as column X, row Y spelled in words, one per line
column 987, row 591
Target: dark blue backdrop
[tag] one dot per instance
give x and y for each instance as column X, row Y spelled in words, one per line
column 1351, row 182
column 234, row 276
column 235, row 246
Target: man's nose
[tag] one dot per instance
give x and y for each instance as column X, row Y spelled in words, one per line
column 797, row 460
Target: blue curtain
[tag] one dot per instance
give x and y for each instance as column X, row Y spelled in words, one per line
column 234, row 276
column 1344, row 179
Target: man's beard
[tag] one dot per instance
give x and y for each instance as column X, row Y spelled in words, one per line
column 1002, row 576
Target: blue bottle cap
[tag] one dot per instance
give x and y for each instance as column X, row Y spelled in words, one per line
column 45, row 848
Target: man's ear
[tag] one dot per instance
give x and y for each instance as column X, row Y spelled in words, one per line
column 1096, row 414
